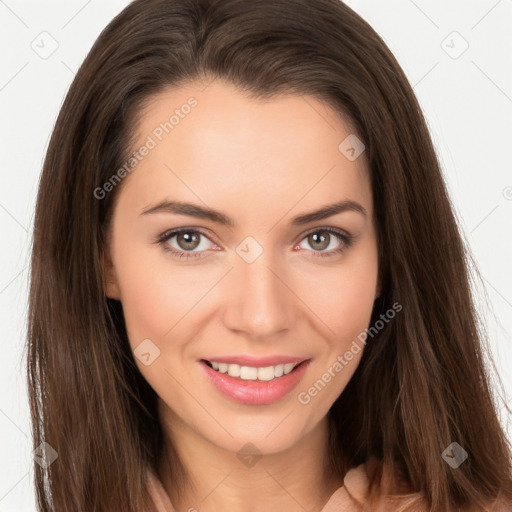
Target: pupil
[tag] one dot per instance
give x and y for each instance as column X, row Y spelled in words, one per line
column 188, row 240
column 315, row 238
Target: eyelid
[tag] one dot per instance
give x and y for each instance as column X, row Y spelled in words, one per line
column 330, row 229
column 346, row 239
column 164, row 237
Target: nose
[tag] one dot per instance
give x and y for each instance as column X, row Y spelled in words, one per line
column 260, row 303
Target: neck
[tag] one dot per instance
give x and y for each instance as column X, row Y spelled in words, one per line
column 296, row 479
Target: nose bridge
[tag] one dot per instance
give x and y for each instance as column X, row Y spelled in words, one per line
column 259, row 303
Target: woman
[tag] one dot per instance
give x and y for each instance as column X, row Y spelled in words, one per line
column 248, row 287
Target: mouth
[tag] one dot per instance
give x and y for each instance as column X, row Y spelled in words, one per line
column 254, row 385
column 255, row 373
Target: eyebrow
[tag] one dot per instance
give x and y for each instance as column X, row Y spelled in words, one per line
column 194, row 210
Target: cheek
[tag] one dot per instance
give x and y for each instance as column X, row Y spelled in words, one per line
column 156, row 294
column 148, row 294
column 351, row 310
column 342, row 296
column 158, row 298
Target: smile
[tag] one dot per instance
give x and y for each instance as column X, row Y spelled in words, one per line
column 266, row 373
column 251, row 385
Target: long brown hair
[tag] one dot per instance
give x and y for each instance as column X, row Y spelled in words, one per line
column 423, row 381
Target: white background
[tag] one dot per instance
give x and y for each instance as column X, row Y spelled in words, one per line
column 467, row 102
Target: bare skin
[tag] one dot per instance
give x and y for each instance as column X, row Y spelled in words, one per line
column 260, row 163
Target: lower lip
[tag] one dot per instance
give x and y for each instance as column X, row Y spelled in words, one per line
column 256, row 392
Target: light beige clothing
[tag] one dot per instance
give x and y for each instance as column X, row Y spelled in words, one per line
column 351, row 496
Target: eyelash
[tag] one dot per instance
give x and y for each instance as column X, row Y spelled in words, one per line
column 346, row 239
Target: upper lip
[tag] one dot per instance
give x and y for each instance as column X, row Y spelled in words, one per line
column 258, row 362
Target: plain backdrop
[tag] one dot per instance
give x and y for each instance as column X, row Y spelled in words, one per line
column 457, row 56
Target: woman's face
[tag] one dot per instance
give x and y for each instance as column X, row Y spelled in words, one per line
column 256, row 273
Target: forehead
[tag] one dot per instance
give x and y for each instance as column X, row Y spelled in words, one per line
column 216, row 144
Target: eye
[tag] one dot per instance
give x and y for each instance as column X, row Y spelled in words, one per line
column 321, row 239
column 187, row 243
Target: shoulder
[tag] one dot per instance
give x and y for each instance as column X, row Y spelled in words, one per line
column 392, row 495
column 392, row 491
column 157, row 492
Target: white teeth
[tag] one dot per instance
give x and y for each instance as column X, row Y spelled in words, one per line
column 266, row 373
column 234, row 370
column 248, row 373
column 288, row 367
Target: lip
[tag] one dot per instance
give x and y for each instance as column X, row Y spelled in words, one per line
column 254, row 392
column 258, row 362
